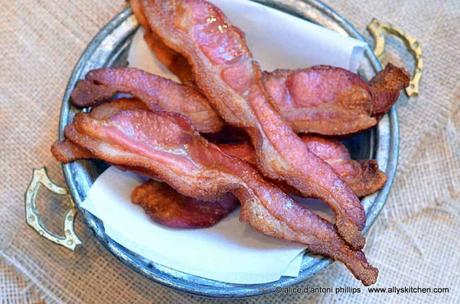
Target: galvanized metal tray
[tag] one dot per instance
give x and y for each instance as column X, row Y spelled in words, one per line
column 109, row 48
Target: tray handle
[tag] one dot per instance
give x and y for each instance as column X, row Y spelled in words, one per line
column 40, row 177
column 378, row 31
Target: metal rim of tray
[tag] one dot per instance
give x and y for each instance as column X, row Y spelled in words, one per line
column 79, row 175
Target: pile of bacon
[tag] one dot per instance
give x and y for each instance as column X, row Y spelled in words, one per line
column 160, row 133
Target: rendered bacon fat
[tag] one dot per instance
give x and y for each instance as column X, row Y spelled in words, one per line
column 156, row 92
column 165, row 145
column 167, row 207
column 225, row 72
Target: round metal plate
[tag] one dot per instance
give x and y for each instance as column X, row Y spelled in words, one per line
column 109, row 48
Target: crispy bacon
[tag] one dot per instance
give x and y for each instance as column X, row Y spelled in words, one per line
column 333, row 101
column 386, row 87
column 363, row 177
column 156, row 92
column 167, row 207
column 175, row 210
column 166, row 146
column 174, row 61
column 138, row 11
column 225, row 72
column 65, row 152
column 321, row 99
column 106, row 110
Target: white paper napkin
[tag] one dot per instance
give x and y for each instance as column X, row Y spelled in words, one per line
column 230, row 251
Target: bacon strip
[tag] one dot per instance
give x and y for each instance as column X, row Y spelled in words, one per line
column 156, row 92
column 226, row 73
column 165, row 146
column 175, row 62
column 65, row 152
column 386, row 86
column 138, row 11
column 333, row 101
column 321, row 99
column 363, row 177
column 115, row 106
column 167, row 207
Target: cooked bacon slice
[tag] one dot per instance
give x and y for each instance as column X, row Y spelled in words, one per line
column 65, row 152
column 167, row 207
column 386, row 87
column 363, row 177
column 138, row 11
column 167, row 146
column 321, row 99
column 175, row 210
column 156, row 92
column 173, row 61
column 226, row 73
column 172, row 209
column 162, row 203
column 106, row 110
column 333, row 101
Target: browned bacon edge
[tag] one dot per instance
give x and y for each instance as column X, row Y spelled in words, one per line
column 386, row 87
column 167, row 207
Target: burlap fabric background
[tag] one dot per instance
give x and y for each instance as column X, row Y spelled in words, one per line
column 414, row 242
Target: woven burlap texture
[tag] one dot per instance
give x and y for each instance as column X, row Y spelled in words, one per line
column 414, row 242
